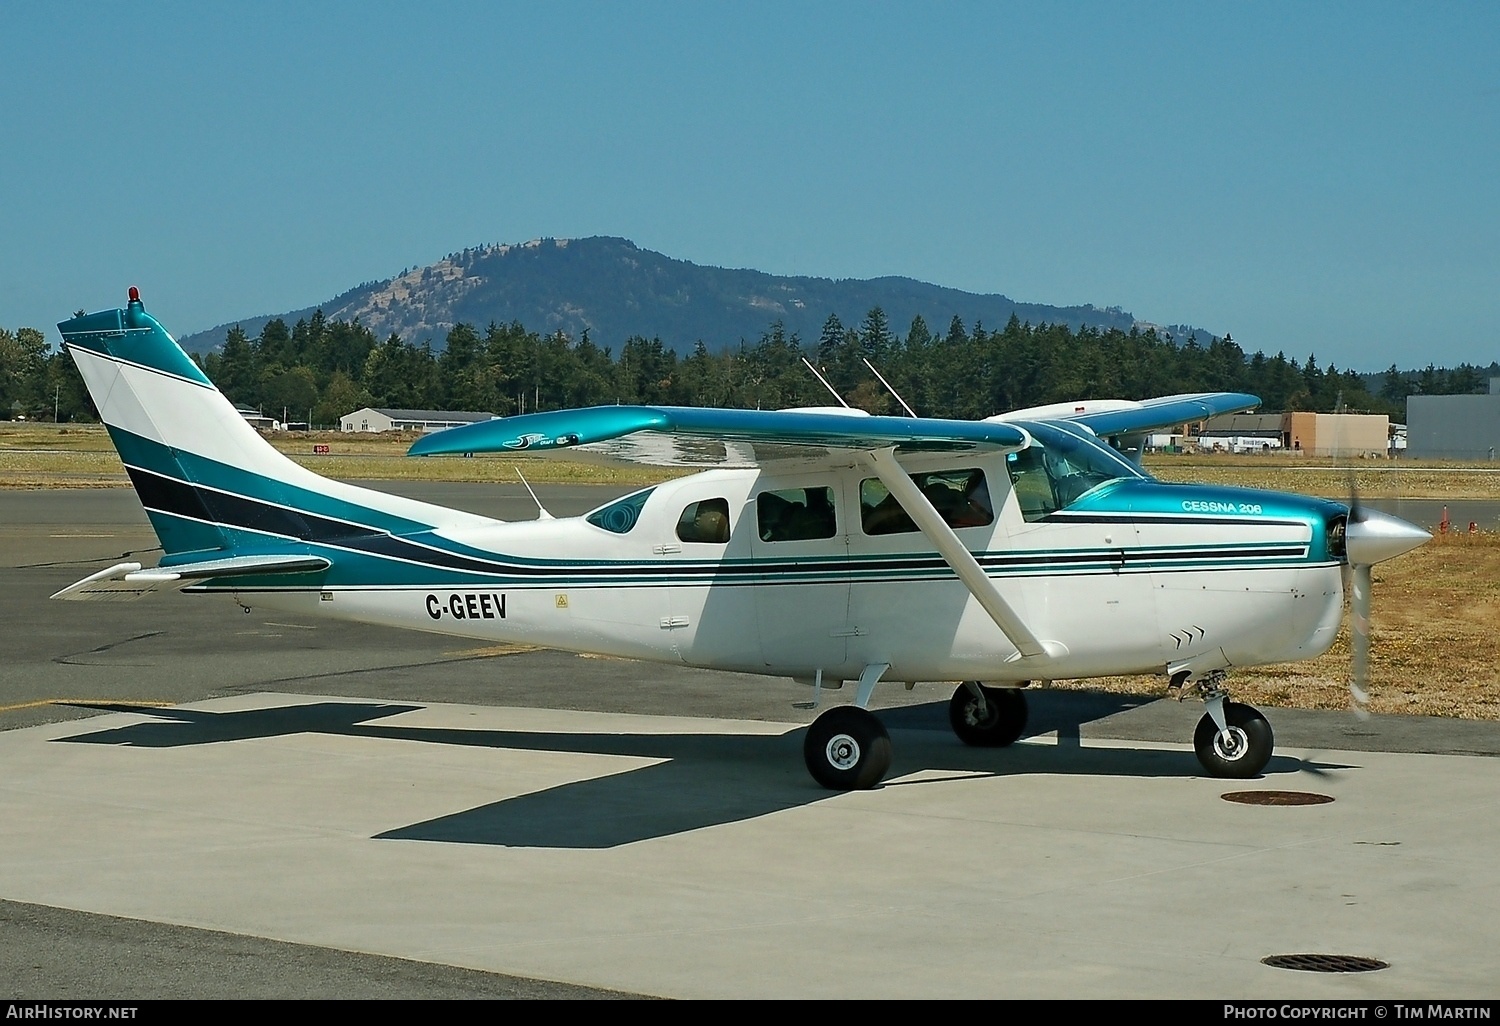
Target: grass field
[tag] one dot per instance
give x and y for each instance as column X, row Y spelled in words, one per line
column 44, row 456
column 1436, row 622
column 1405, row 479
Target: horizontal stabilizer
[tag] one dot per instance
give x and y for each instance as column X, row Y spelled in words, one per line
column 128, row 581
column 105, row 585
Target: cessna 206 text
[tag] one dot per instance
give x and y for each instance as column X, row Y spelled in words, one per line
column 827, row 545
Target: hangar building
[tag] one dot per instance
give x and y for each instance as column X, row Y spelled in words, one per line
column 1337, row 434
column 1312, row 434
column 1454, row 427
column 369, row 419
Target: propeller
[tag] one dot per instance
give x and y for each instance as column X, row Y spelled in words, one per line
column 1360, row 579
column 1370, row 537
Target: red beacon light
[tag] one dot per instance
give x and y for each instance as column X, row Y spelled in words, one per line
column 135, row 294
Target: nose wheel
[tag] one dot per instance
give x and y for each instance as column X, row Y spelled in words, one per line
column 1240, row 748
column 847, row 749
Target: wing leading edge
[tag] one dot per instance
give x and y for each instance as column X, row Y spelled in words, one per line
column 1111, row 417
column 692, row 436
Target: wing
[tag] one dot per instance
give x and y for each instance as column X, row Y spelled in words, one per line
column 678, row 436
column 1114, row 417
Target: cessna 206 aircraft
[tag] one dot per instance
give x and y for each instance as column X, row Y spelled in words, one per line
column 826, row 545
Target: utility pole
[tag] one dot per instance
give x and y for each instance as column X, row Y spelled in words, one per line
column 56, row 395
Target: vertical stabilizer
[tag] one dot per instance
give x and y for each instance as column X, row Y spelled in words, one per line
column 208, row 480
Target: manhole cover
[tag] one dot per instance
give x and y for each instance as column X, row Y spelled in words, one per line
column 1326, row 963
column 1277, row 798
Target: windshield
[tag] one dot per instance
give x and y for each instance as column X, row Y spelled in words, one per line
column 1064, row 463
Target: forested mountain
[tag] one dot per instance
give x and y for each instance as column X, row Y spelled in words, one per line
column 613, row 289
column 559, row 323
column 326, row 368
column 321, row 369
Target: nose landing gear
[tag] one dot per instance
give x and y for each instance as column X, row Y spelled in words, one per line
column 1233, row 740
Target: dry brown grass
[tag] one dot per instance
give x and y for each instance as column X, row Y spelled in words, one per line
column 1374, row 478
column 43, row 456
column 1435, row 642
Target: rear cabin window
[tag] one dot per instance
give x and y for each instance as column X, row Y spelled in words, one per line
column 795, row 514
column 620, row 516
column 961, row 497
column 705, row 521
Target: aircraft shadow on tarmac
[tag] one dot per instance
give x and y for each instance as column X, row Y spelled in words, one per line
column 702, row 779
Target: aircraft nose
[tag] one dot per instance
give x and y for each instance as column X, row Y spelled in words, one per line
column 1373, row 537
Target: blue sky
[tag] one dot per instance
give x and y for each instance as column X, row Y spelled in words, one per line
column 1312, row 177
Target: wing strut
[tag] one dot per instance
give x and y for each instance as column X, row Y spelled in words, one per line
column 957, row 556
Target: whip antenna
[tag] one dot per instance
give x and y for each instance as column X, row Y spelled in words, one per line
column 541, row 511
column 826, row 385
column 909, row 411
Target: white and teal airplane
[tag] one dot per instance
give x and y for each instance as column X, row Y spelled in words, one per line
column 826, row 545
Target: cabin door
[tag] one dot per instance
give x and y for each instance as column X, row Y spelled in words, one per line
column 801, row 554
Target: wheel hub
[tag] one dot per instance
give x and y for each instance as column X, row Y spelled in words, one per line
column 1231, row 744
column 842, row 751
column 987, row 719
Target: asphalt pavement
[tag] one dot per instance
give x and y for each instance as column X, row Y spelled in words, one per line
column 205, row 802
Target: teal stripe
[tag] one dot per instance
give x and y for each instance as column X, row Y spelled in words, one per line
column 180, row 536
column 359, row 569
column 186, row 466
column 135, row 336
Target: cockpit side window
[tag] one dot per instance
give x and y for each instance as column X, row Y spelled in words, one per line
column 795, row 514
column 961, row 497
column 1032, row 483
column 620, row 516
column 1061, row 465
column 705, row 521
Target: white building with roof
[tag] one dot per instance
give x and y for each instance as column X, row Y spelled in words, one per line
column 372, row 419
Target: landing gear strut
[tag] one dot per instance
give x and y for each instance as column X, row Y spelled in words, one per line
column 1233, row 739
column 987, row 717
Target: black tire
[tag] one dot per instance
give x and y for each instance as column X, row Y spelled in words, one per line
column 1246, row 751
column 1002, row 724
column 847, row 749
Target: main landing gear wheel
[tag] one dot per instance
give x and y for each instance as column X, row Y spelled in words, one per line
column 1001, row 723
column 1240, row 752
column 847, row 749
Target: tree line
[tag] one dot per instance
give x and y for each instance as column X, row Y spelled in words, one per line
column 320, row 370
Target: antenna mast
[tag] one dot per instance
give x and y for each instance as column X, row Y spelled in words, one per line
column 909, row 411
column 824, row 380
column 541, row 511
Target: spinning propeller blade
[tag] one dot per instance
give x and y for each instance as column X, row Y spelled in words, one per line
column 1360, row 579
column 1359, row 639
column 1370, row 537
